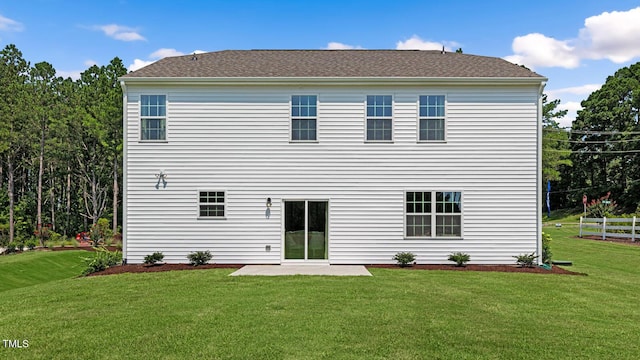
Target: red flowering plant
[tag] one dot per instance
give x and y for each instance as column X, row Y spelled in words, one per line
column 602, row 207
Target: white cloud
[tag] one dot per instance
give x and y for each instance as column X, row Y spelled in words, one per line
column 416, row 43
column 199, row 51
column 162, row 53
column 89, row 63
column 73, row 74
column 7, row 24
column 574, row 90
column 120, row 32
column 139, row 64
column 340, row 46
column 611, row 35
column 572, row 108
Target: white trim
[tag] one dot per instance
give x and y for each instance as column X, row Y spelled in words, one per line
column 396, row 81
column 539, row 174
column 125, row 154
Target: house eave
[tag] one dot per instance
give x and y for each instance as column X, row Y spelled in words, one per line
column 407, row 81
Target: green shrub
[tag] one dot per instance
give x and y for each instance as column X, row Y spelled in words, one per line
column 526, row 260
column 32, row 243
column 602, row 207
column 199, row 257
column 404, row 258
column 460, row 258
column 101, row 260
column 153, row 258
column 20, row 245
column 546, row 248
column 11, row 248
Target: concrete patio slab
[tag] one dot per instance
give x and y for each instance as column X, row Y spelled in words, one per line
column 283, row 270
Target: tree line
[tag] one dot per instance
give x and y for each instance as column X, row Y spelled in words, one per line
column 601, row 151
column 60, row 148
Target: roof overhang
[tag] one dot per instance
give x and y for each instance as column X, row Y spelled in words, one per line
column 406, row 81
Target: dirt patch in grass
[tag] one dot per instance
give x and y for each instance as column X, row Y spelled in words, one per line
column 609, row 239
column 500, row 268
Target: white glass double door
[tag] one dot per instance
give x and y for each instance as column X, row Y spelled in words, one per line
column 306, row 230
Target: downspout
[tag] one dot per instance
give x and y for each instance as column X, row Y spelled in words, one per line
column 125, row 123
column 539, row 175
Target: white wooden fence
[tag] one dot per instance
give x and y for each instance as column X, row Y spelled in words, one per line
column 623, row 227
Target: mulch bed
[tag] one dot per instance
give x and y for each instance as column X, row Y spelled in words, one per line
column 140, row 268
column 499, row 268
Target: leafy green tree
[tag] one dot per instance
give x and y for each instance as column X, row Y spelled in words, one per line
column 555, row 141
column 606, row 136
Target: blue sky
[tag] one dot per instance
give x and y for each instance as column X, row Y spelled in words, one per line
column 576, row 44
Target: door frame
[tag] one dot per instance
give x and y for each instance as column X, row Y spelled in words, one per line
column 306, row 215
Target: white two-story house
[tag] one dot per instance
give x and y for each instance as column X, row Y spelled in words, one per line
column 332, row 156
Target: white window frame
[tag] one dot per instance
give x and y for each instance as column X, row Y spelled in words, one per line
column 443, row 118
column 148, row 117
column 223, row 203
column 292, row 118
column 367, row 118
column 433, row 214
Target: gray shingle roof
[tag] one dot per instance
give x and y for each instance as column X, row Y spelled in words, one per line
column 332, row 63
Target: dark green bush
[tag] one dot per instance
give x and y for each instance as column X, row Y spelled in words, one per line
column 11, row 248
column 460, row 258
column 199, row 257
column 101, row 260
column 32, row 243
column 404, row 258
column 526, row 260
column 153, row 258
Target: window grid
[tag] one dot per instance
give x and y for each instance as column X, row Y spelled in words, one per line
column 418, row 214
column 379, row 118
column 153, row 117
column 304, row 112
column 432, row 118
column 426, row 210
column 211, row 204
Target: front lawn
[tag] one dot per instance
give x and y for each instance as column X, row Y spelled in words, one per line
column 395, row 314
column 36, row 267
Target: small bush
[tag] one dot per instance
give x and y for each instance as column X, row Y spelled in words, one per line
column 546, row 248
column 153, row 258
column 101, row 260
column 404, row 258
column 20, row 245
column 460, row 258
column 11, row 248
column 199, row 257
column 526, row 260
column 32, row 243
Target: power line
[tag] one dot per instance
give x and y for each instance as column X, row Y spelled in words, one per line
column 595, row 152
column 593, row 132
column 594, row 141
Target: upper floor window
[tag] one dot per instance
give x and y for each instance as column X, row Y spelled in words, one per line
column 431, row 118
column 153, row 117
column 304, row 118
column 379, row 118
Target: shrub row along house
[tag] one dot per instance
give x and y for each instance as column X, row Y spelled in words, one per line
column 332, row 156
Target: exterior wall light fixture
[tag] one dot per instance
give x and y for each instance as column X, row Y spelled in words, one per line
column 268, row 202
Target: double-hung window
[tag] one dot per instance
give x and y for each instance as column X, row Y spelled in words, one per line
column 153, row 117
column 211, row 204
column 432, row 117
column 304, row 118
column 379, row 118
column 433, row 214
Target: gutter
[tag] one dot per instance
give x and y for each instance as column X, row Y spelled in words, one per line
column 125, row 124
column 539, row 175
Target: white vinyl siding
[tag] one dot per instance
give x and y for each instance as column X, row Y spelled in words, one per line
column 237, row 138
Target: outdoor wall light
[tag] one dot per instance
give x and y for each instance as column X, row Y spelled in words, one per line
column 268, row 202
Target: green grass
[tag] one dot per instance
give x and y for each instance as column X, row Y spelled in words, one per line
column 399, row 314
column 36, row 267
